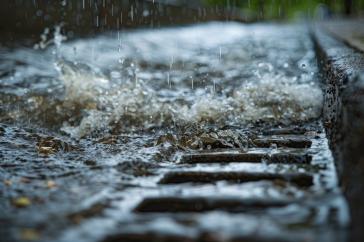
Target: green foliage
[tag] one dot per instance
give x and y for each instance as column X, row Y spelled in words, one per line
column 276, row 9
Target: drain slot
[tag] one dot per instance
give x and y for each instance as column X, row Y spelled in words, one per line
column 288, row 143
column 246, row 157
column 204, row 204
column 283, row 131
column 300, row 179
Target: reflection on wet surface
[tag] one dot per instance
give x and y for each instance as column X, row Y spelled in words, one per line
column 85, row 121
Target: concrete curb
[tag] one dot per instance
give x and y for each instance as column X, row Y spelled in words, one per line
column 343, row 113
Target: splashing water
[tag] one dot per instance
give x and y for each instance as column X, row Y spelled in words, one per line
column 97, row 114
column 57, row 40
column 251, row 82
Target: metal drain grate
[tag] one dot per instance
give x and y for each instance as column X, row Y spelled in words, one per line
column 285, row 193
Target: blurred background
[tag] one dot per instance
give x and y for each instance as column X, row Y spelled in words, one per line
column 26, row 19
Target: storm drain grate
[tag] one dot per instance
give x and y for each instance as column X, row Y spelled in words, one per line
column 285, row 187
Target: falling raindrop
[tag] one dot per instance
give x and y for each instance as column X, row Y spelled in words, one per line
column 168, row 80
column 132, row 13
column 171, row 63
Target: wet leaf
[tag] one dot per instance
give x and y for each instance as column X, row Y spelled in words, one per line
column 22, row 202
column 51, row 184
column 109, row 140
column 30, row 234
column 46, row 150
column 50, row 145
column 8, row 182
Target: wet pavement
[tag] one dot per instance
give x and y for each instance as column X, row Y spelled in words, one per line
column 209, row 132
column 349, row 31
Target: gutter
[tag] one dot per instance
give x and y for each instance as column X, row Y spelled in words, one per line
column 342, row 69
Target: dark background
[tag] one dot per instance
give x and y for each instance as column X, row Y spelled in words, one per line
column 27, row 19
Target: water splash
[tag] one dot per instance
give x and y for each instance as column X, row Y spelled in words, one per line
column 111, row 89
column 47, row 40
column 137, row 105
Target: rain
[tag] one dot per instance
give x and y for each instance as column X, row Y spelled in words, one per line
column 172, row 120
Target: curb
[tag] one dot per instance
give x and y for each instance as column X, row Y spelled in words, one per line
column 343, row 114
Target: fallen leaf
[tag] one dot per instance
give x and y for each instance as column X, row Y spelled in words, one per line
column 29, row 234
column 51, row 184
column 8, row 182
column 22, row 202
column 46, row 150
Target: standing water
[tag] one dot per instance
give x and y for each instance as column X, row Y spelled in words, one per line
column 84, row 120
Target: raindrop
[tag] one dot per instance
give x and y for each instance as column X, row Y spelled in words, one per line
column 168, row 80
column 145, row 13
column 39, row 13
column 172, row 62
column 132, row 13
